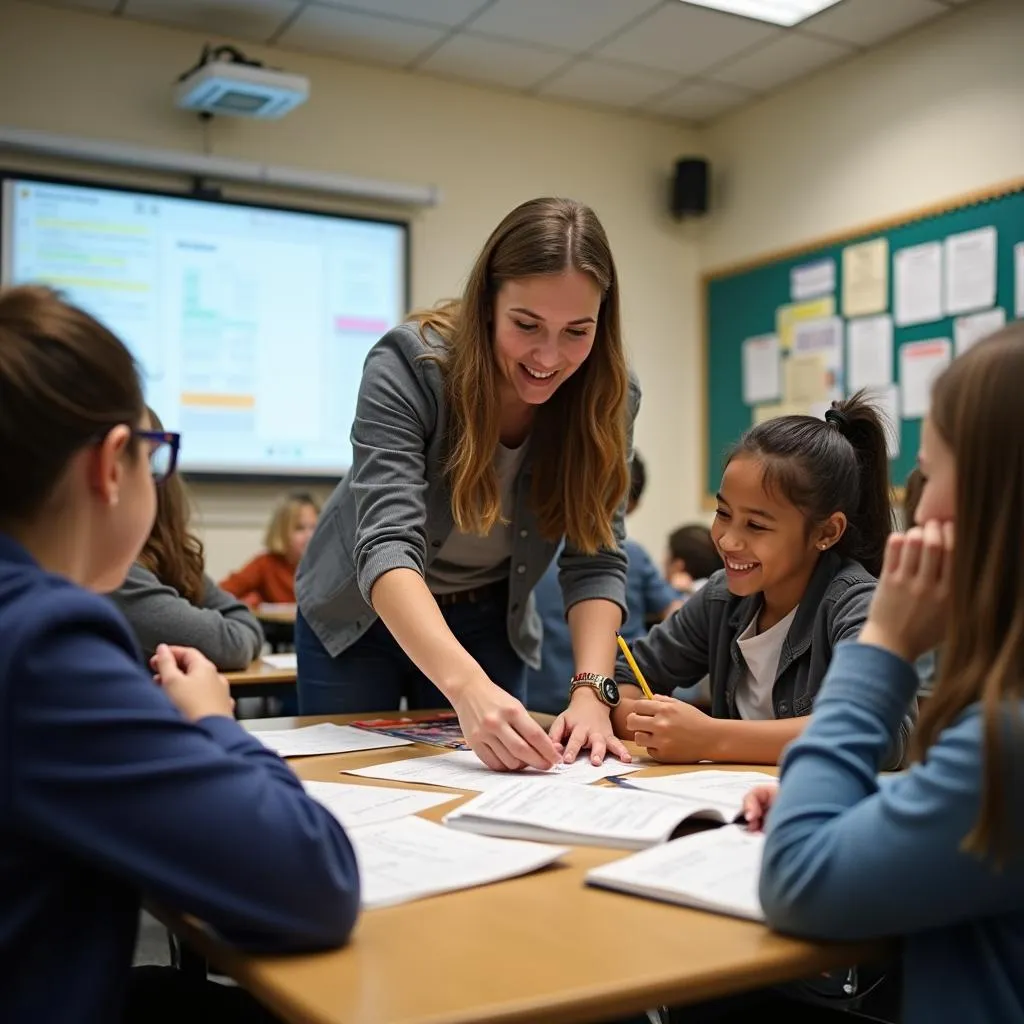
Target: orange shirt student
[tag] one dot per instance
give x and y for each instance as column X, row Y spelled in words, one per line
column 270, row 577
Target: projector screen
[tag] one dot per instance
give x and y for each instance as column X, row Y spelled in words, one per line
column 250, row 323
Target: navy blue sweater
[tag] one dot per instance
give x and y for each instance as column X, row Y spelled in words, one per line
column 107, row 795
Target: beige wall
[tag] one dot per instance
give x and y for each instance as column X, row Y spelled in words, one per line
column 932, row 115
column 83, row 74
column 929, row 116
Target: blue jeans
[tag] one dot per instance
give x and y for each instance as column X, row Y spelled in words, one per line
column 375, row 673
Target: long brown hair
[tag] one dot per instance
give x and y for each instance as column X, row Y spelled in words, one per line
column 172, row 553
column 579, row 448
column 976, row 409
column 65, row 380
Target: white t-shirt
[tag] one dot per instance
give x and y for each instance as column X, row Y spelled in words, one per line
column 761, row 652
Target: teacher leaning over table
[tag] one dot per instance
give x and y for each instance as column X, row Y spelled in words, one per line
column 487, row 431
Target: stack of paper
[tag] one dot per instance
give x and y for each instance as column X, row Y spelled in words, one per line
column 411, row 858
column 355, row 806
column 464, row 770
column 597, row 816
column 311, row 740
column 283, row 662
column 716, row 871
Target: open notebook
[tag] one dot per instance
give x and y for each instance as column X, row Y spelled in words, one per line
column 623, row 816
column 716, row 870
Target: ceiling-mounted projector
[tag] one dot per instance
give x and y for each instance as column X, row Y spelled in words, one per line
column 226, row 82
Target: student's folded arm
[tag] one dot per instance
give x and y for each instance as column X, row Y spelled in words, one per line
column 200, row 818
column 846, row 619
column 244, row 634
column 848, row 857
column 224, row 629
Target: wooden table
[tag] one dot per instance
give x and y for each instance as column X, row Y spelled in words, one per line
column 541, row 949
column 262, row 680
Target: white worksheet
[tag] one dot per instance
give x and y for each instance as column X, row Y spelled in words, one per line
column 462, row 769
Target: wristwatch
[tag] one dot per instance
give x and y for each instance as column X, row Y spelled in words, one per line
column 606, row 689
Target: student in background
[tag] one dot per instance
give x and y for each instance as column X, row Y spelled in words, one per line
column 270, row 577
column 803, row 516
column 488, row 430
column 936, row 854
column 167, row 597
column 114, row 784
column 648, row 596
column 692, row 558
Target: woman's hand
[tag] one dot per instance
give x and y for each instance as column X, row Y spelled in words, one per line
column 757, row 803
column 910, row 607
column 586, row 724
column 500, row 730
column 672, row 730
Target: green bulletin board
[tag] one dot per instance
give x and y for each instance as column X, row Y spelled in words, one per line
column 742, row 302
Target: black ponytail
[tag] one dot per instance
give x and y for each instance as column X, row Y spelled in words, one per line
column 839, row 464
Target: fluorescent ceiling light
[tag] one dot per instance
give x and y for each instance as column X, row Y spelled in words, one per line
column 777, row 12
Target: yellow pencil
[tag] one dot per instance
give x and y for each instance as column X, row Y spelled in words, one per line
column 634, row 667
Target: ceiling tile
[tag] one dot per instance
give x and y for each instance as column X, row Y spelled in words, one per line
column 570, row 24
column 698, row 101
column 616, row 85
column 492, row 60
column 686, row 40
column 781, row 60
column 359, row 36
column 865, row 22
column 254, row 20
column 439, row 12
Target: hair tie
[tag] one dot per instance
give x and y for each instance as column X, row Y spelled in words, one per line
column 839, row 419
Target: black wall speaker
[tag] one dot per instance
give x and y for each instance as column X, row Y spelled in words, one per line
column 690, row 187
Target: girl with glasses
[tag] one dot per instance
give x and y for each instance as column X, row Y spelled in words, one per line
column 115, row 784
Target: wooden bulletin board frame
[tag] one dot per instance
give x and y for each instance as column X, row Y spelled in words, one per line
column 763, row 284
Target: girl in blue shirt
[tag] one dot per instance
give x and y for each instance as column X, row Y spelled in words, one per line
column 935, row 855
column 117, row 785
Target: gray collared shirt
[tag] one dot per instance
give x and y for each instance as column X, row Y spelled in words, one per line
column 393, row 509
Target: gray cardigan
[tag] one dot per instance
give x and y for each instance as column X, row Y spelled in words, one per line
column 221, row 627
column 700, row 639
column 393, row 509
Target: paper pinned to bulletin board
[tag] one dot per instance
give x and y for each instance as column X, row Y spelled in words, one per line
column 762, row 381
column 920, row 363
column 806, row 381
column 969, row 330
column 823, row 338
column 787, row 317
column 812, row 280
column 866, row 278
